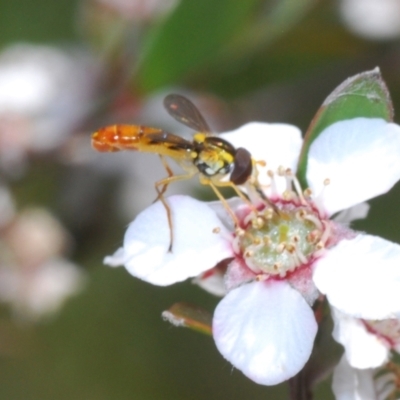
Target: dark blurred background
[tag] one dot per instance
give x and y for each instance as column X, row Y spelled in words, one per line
column 71, row 328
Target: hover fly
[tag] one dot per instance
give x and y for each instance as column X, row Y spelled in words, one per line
column 214, row 159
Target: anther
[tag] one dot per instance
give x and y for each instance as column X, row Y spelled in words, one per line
column 281, row 170
column 257, row 241
column 307, row 193
column 316, row 221
column 257, row 223
column 287, row 195
column 240, row 232
column 281, row 247
column 267, row 241
column 327, row 182
column 276, row 266
column 290, row 248
column 249, row 253
column 216, row 230
column 313, row 236
column 300, row 214
column 261, row 163
column 268, row 213
column 296, row 238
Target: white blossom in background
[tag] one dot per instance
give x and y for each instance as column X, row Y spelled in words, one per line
column 372, row 19
column 281, row 261
column 35, row 279
column 367, row 349
column 45, row 93
column 350, row 383
column 367, row 343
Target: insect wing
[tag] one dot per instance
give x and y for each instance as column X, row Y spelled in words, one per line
column 168, row 140
column 184, row 111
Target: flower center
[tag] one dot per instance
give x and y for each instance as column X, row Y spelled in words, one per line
column 276, row 242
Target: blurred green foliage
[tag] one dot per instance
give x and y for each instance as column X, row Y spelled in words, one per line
column 37, row 21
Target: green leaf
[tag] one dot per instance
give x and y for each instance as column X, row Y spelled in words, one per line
column 189, row 316
column 191, row 36
column 363, row 95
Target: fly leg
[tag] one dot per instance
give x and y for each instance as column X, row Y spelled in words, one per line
column 170, row 175
column 206, row 181
column 163, row 183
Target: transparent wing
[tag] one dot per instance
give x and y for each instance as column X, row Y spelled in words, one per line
column 184, row 111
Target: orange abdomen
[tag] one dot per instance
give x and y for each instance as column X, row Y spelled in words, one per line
column 121, row 137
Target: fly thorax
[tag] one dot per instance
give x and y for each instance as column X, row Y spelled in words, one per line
column 213, row 155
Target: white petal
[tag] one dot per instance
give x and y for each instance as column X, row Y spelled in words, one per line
column 212, row 281
column 265, row 329
column 359, row 211
column 353, row 384
column 363, row 349
column 117, row 259
column 361, row 277
column 276, row 144
column 234, row 203
column 195, row 248
column 361, row 159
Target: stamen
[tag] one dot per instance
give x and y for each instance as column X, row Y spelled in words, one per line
column 301, row 214
column 286, row 233
column 217, row 229
column 281, row 170
column 290, row 248
column 314, row 236
column 236, row 245
column 239, row 232
column 287, row 195
column 327, row 232
column 249, row 253
column 261, row 163
column 288, row 178
column 297, row 187
column 274, row 190
column 307, row 193
column 312, row 218
column 281, row 247
column 267, row 241
column 268, row 213
column 257, row 223
column 300, row 255
column 296, row 238
column 249, row 217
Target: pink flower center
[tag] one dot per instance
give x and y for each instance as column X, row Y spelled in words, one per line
column 276, row 239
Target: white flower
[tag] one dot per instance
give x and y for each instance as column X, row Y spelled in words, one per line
column 35, row 279
column 372, row 19
column 282, row 260
column 45, row 93
column 364, row 347
column 361, row 384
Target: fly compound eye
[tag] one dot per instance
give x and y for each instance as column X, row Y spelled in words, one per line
column 242, row 168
